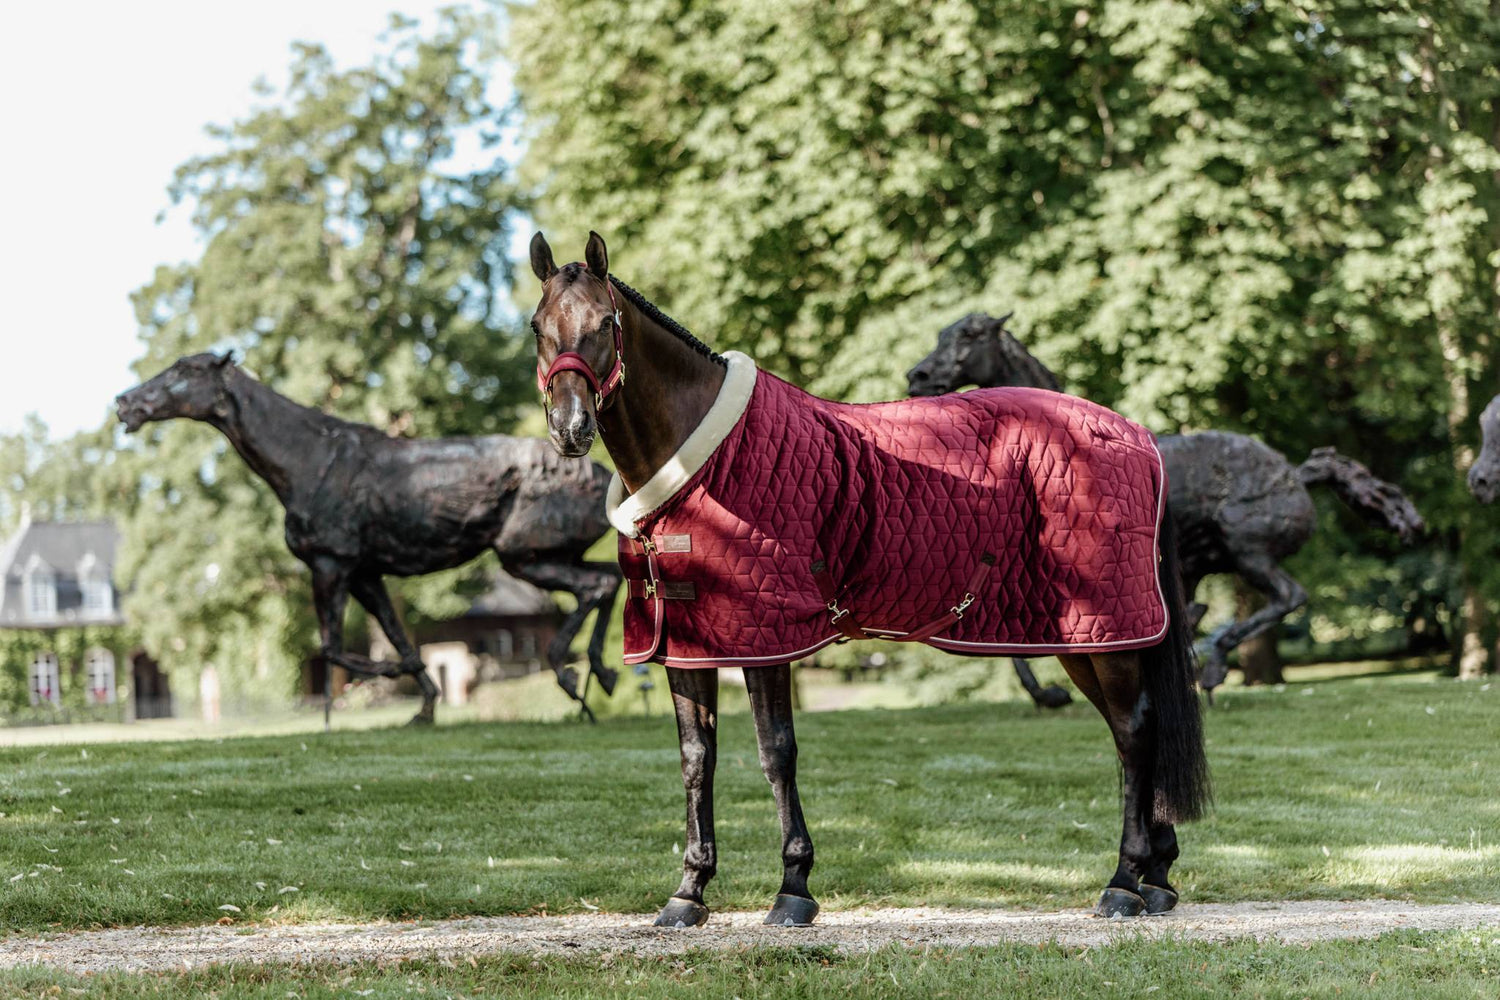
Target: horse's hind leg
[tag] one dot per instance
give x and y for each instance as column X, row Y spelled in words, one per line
column 370, row 591
column 770, row 691
column 695, row 699
column 1113, row 683
column 1283, row 596
column 590, row 584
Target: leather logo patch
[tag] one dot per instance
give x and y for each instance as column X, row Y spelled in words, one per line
column 679, row 590
column 674, row 543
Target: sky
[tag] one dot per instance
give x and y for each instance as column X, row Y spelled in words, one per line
column 103, row 100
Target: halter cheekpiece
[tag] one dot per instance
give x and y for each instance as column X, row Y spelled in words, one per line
column 572, row 361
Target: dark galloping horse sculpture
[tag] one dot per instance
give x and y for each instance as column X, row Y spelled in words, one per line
column 671, row 428
column 1241, row 507
column 1484, row 474
column 361, row 505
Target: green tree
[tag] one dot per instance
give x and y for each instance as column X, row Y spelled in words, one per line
column 1276, row 218
column 354, row 263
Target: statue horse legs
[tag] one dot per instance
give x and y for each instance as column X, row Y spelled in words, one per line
column 1283, row 596
column 332, row 584
column 594, row 586
column 695, row 696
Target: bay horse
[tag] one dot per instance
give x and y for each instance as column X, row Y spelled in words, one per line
column 1240, row 506
column 361, row 505
column 853, row 518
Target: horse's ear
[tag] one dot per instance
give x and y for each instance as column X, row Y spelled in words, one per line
column 541, row 258
column 1003, row 320
column 224, row 360
column 597, row 256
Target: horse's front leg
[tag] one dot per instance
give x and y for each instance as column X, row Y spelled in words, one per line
column 370, row 591
column 771, row 701
column 330, row 586
column 695, row 698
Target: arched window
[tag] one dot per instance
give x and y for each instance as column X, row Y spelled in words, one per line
column 44, row 680
column 41, row 590
column 99, row 666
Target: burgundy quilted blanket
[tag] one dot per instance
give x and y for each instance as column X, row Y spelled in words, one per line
column 992, row 521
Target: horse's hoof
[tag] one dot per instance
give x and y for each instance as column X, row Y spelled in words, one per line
column 681, row 912
column 1158, row 899
column 792, row 911
column 423, row 718
column 567, row 679
column 1053, row 696
column 607, row 679
column 1120, row 903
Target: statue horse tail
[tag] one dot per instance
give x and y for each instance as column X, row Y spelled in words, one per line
column 1180, row 770
column 1380, row 502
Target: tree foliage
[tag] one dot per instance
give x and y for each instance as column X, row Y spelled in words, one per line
column 353, row 264
column 1276, row 218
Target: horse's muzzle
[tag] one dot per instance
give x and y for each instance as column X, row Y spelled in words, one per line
column 132, row 413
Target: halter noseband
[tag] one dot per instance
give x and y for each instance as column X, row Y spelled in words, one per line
column 572, row 361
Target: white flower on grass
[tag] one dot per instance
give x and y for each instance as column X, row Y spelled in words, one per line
column 407, row 864
column 17, row 878
column 260, row 885
column 286, row 889
column 230, row 908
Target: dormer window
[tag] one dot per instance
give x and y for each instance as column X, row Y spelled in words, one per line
column 98, row 594
column 40, row 588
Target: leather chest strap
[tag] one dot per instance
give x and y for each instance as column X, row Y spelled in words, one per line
column 950, row 618
column 841, row 618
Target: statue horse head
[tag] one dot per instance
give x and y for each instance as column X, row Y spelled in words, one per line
column 977, row 350
column 1484, row 474
column 194, row 387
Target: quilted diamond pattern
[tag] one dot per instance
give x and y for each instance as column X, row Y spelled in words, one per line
column 901, row 500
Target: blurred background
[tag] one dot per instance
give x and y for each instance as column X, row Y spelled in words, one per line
column 1281, row 220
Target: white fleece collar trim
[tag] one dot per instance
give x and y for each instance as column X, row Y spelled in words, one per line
column 734, row 395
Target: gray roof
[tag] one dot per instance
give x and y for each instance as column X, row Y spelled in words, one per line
column 62, row 546
column 509, row 597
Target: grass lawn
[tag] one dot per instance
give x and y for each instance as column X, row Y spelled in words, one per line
column 1354, row 787
column 1395, row 966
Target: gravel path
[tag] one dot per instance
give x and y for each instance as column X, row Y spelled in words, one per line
column 142, row 948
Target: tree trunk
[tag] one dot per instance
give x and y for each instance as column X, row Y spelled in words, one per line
column 1260, row 658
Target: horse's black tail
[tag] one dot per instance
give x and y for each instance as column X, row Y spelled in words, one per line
column 1180, row 770
column 1378, row 501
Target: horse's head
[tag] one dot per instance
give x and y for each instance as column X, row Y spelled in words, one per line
column 968, row 352
column 192, row 387
column 578, row 343
column 1484, row 474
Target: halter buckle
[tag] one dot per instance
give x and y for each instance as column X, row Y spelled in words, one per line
column 962, row 606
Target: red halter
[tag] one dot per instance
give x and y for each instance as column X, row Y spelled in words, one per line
column 572, row 361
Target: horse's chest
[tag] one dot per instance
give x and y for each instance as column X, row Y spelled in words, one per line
column 309, row 536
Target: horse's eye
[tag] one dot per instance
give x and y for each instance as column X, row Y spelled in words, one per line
column 535, row 328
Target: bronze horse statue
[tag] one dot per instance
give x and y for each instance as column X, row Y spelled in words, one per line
column 1240, row 506
column 361, row 505
column 590, row 328
column 1484, row 474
